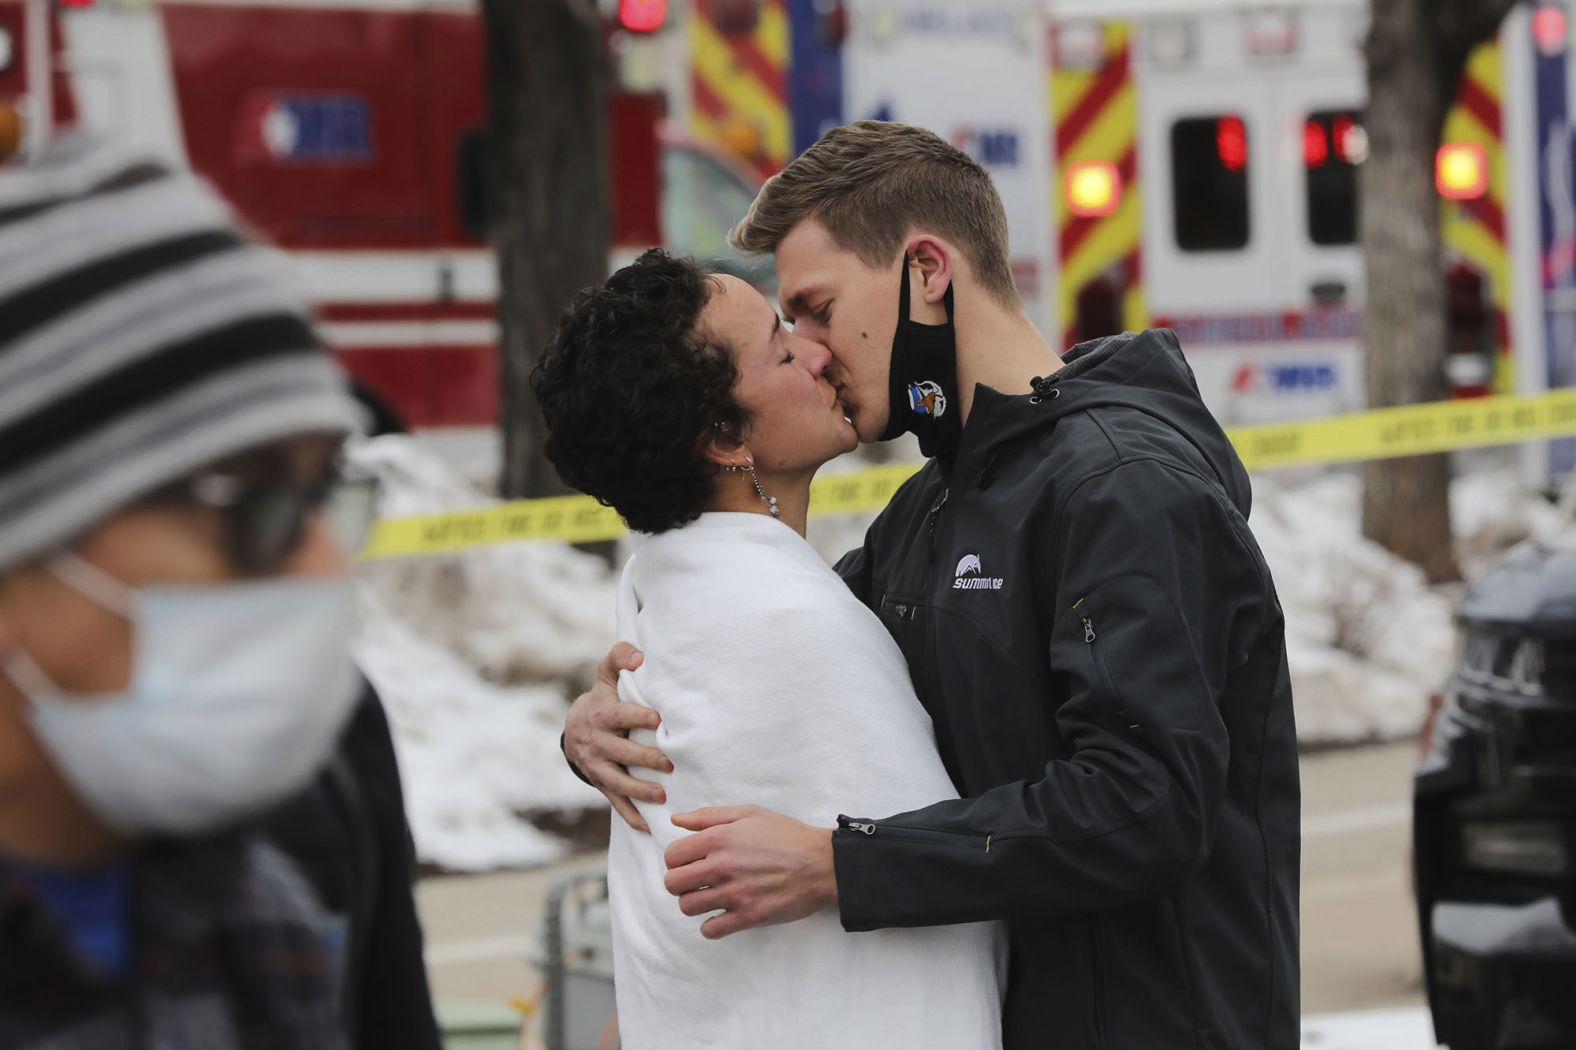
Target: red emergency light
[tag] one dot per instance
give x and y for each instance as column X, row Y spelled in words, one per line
column 641, row 16
column 1461, row 171
column 1315, row 144
column 75, row 4
column 1231, row 143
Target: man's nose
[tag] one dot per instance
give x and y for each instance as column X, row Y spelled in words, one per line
column 817, row 358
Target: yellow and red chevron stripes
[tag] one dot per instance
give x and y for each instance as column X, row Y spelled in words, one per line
column 740, row 82
column 1095, row 118
column 1475, row 230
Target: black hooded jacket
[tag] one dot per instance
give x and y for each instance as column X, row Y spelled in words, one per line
column 1096, row 636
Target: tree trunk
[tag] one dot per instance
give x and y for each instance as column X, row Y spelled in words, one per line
column 549, row 220
column 1416, row 54
column 1406, row 504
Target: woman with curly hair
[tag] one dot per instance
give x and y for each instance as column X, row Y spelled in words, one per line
column 680, row 399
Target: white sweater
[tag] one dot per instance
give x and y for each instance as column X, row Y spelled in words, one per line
column 777, row 687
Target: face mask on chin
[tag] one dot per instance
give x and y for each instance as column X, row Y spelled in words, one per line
column 923, row 385
column 237, row 696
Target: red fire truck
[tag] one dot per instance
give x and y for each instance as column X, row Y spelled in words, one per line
column 349, row 133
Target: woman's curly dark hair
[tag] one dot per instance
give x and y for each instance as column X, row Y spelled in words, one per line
column 630, row 386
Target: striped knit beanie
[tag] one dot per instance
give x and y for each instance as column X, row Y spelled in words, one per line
column 142, row 336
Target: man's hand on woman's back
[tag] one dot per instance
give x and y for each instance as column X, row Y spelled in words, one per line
column 596, row 739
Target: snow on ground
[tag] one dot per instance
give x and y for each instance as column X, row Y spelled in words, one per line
column 1366, row 637
column 477, row 654
column 523, row 612
column 1407, row 1028
column 472, row 754
column 1491, row 512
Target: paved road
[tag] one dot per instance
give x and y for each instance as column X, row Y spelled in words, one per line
column 1359, row 946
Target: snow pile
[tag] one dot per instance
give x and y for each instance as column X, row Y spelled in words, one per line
column 472, row 754
column 475, row 655
column 517, row 612
column 1490, row 512
column 1368, row 640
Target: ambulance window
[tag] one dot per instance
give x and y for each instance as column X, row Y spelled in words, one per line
column 702, row 200
column 701, row 203
column 1333, row 145
column 1209, row 182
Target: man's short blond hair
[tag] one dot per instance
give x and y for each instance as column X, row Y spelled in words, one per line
column 870, row 184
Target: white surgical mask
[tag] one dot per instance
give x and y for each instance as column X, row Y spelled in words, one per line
column 237, row 696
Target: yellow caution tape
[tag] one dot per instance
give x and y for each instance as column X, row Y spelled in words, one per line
column 1413, row 430
column 1379, row 434
column 580, row 519
column 572, row 519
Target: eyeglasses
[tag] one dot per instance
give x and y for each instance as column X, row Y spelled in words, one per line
column 264, row 521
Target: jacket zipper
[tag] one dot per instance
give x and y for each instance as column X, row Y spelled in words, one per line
column 933, row 518
column 1098, row 659
column 913, row 834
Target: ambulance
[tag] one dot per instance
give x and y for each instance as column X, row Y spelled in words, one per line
column 1206, row 179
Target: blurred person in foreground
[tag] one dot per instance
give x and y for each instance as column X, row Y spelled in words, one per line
column 175, row 611
column 679, row 398
column 1087, row 619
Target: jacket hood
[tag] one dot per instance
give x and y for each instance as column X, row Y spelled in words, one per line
column 1140, row 370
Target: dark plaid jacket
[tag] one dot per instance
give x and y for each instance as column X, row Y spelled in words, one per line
column 232, row 953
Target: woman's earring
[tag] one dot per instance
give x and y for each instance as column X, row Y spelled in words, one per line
column 771, row 501
column 749, row 468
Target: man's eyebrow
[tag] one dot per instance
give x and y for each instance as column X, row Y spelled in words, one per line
column 793, row 304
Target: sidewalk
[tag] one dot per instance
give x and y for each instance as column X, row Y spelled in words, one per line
column 1407, row 1028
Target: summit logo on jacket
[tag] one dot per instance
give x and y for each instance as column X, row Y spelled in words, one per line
column 969, row 576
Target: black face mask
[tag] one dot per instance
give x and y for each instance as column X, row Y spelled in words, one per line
column 923, row 388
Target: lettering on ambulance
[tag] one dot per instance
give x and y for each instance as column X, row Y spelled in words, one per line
column 1290, row 326
column 302, row 128
column 947, row 20
column 1301, row 378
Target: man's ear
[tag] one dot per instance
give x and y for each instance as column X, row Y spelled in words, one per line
column 723, row 446
column 933, row 256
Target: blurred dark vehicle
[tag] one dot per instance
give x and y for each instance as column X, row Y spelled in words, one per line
column 1494, row 819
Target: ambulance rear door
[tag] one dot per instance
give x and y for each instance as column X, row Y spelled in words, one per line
column 1249, row 157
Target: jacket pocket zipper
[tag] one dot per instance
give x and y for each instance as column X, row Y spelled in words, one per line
column 1096, row 984
column 1102, row 672
column 903, row 610
column 912, row 834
